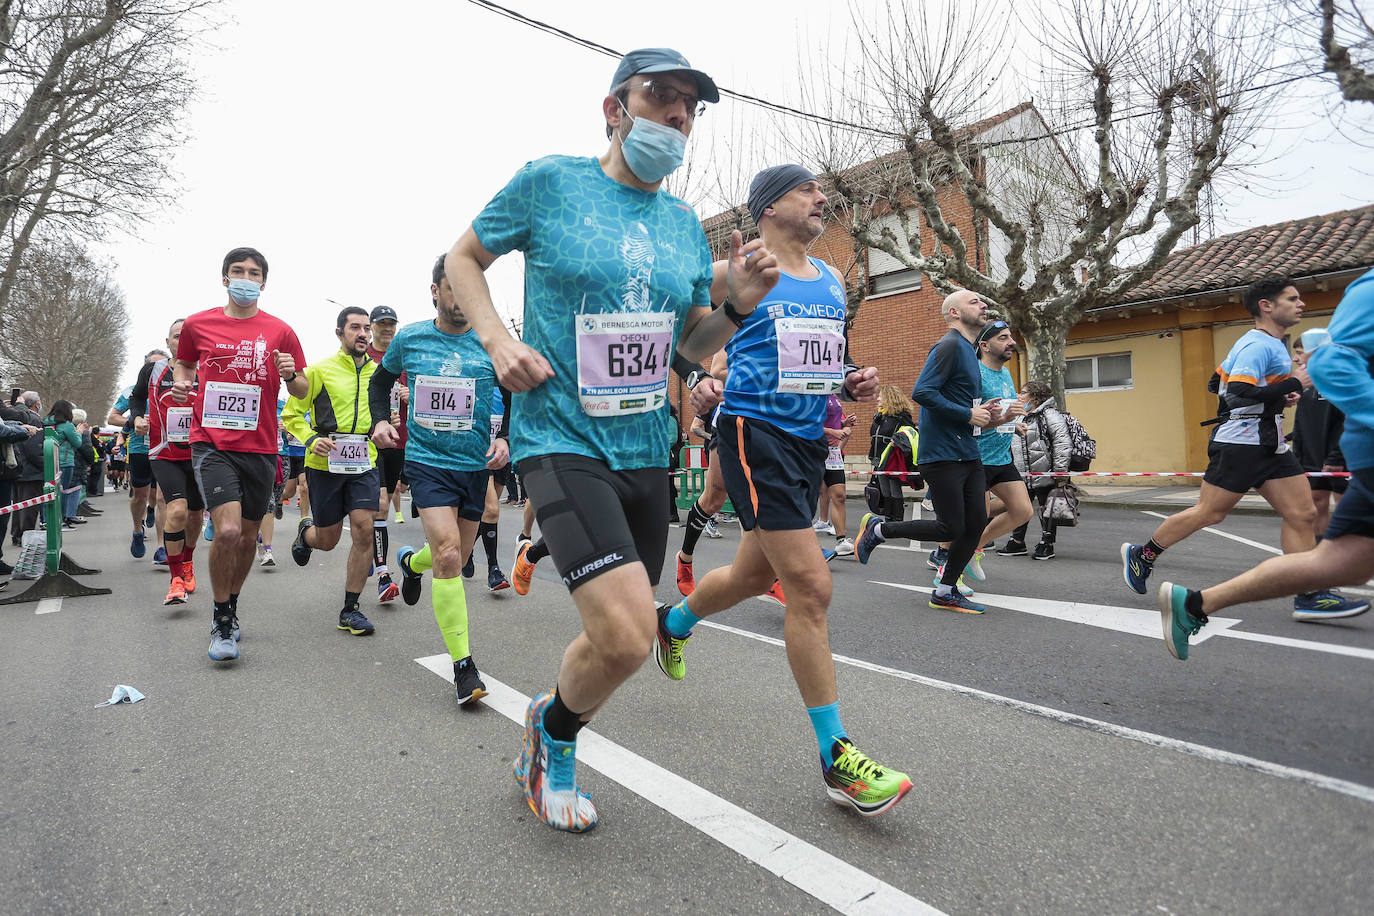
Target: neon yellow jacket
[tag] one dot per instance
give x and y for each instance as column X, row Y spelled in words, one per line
column 336, row 402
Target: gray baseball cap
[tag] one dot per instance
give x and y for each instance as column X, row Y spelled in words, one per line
column 663, row 60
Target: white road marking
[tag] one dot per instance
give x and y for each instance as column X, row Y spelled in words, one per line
column 48, row 606
column 1331, row 648
column 1219, row 533
column 1111, row 729
column 832, row 881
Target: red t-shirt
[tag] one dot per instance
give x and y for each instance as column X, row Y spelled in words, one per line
column 235, row 368
column 155, row 387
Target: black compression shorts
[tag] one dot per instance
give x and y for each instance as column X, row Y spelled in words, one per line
column 177, row 480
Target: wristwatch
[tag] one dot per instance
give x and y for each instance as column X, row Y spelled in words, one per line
column 695, row 376
column 728, row 308
column 288, row 381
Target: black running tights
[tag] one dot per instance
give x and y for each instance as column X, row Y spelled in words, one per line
column 957, row 491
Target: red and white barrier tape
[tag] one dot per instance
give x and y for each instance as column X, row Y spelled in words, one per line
column 30, row 503
column 1076, row 473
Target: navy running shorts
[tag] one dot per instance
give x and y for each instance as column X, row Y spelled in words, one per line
column 433, row 488
column 771, row 476
column 334, row 496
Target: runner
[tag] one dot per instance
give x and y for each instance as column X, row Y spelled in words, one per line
column 713, row 495
column 450, row 454
column 616, row 272
column 340, row 462
column 996, row 347
column 789, row 355
column 240, row 355
column 1341, row 363
column 838, row 426
column 167, row 431
column 390, row 461
column 1316, row 440
column 144, row 505
column 1253, row 385
column 949, row 390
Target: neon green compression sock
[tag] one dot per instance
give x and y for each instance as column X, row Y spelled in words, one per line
column 451, row 613
column 420, row 561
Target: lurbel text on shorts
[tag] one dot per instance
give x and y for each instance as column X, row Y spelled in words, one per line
column 596, row 564
column 806, row 310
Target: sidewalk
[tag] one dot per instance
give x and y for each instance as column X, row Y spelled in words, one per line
column 1157, row 499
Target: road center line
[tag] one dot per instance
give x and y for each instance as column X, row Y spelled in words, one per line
column 1111, row 729
column 832, row 881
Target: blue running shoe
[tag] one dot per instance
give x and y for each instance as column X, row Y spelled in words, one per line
column 867, row 539
column 550, row 775
column 1135, row 569
column 160, row 556
column 1326, row 605
column 351, row 620
column 150, row 518
column 136, row 546
column 937, row 557
column 828, row 554
column 410, row 581
column 1178, row 623
column 955, row 602
column 208, row 532
column 496, row 580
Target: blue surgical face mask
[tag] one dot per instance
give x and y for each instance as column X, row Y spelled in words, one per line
column 244, row 292
column 652, row 150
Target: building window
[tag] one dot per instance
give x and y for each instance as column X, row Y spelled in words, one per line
column 886, row 274
column 1108, row 372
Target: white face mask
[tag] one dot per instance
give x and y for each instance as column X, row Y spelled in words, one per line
column 652, row 150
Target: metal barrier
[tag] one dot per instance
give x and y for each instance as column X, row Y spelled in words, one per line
column 56, row 581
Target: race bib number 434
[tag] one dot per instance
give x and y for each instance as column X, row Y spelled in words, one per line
column 229, row 405
column 622, row 362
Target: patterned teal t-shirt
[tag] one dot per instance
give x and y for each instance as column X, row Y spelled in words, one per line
column 594, row 246
column 994, row 443
column 451, row 381
column 138, row 445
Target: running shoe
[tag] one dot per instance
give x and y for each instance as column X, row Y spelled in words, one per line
column 223, row 648
column 177, row 593
column 353, row 621
column 496, row 580
column 387, row 590
column 300, row 551
column 669, row 648
column 774, row 594
column 410, row 581
column 523, row 570
column 234, row 627
column 1013, row 548
column 954, row 602
column 547, row 769
column 855, row 779
column 277, row 509
column 136, row 545
column 267, row 558
column 686, row 579
column 1135, row 569
column 844, row 547
column 400, row 517
column 1326, row 605
column 828, row 554
column 150, row 518
column 208, row 532
column 1179, row 624
column 1043, row 551
column 823, row 527
column 469, row 568
column 259, row 548
column 710, row 529
column 974, row 568
column 867, row 540
column 188, row 576
column 467, row 683
column 959, row 585
column 160, row 556
column 937, row 557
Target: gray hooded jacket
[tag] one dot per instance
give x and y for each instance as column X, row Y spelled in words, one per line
column 1045, row 446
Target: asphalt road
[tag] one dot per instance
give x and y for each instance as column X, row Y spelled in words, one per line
column 1063, row 761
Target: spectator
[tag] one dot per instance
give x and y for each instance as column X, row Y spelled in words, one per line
column 68, row 444
column 1043, row 444
column 29, row 483
column 16, row 428
column 85, row 457
column 895, row 410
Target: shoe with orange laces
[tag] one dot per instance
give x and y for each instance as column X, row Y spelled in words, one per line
column 686, row 581
column 774, row 594
column 188, row 577
column 177, row 593
column 523, row 570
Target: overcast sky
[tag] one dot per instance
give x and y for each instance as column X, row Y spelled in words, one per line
column 353, row 142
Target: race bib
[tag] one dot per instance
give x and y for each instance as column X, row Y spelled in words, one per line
column 835, row 460
column 179, row 424
column 349, row 455
column 396, row 397
column 443, row 403
column 496, row 425
column 622, row 362
column 810, row 355
column 228, row 405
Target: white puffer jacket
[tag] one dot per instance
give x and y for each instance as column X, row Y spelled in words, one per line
column 1045, row 446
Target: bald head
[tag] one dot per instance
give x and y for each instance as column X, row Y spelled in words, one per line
column 964, row 309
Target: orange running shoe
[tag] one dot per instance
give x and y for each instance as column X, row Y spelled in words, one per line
column 774, row 594
column 523, row 570
column 686, row 582
column 177, row 593
column 188, row 577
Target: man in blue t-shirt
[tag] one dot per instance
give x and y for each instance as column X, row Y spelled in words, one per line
column 1253, row 384
column 617, row 275
column 950, row 392
column 450, row 454
column 145, row 502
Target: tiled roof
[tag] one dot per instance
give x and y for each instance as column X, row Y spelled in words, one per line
column 1300, row 248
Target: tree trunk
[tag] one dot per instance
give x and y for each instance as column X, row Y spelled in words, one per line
column 1045, row 358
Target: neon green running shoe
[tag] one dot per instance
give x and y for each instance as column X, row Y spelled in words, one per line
column 854, row 779
column 668, row 648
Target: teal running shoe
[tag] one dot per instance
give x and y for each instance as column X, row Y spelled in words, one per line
column 1178, row 623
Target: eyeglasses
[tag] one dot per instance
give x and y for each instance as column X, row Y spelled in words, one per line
column 665, row 94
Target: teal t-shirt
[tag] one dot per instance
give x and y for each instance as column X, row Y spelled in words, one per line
column 994, row 443
column 594, row 246
column 138, row 445
column 434, row 362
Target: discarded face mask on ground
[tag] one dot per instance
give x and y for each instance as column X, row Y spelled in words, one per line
column 123, row 693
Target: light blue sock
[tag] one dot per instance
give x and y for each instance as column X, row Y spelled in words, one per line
column 679, row 621
column 826, row 721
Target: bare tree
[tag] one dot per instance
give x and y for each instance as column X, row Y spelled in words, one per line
column 1051, row 209
column 1351, row 64
column 65, row 333
column 91, row 98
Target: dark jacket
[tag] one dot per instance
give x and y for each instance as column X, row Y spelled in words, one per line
column 881, row 429
column 1317, row 428
column 946, row 389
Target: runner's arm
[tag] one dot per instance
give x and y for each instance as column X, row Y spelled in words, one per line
column 138, row 398
column 505, row 415
column 293, row 413
column 707, row 330
column 379, row 395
